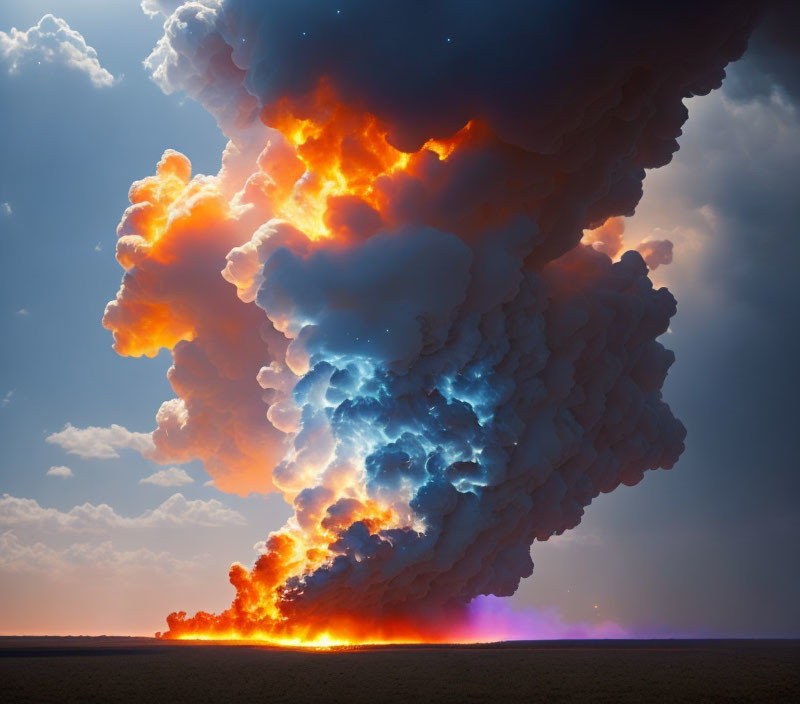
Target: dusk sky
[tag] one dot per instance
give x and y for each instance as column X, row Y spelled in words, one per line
column 95, row 538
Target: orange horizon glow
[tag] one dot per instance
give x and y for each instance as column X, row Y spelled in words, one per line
column 454, row 628
column 323, row 641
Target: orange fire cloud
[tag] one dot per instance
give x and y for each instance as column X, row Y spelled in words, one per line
column 340, row 155
column 172, row 244
column 318, row 173
column 337, row 157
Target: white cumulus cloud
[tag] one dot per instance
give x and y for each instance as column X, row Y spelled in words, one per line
column 60, row 471
column 52, row 40
column 100, row 443
column 177, row 510
column 172, row 476
column 153, row 8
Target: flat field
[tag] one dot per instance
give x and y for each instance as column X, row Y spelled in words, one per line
column 107, row 669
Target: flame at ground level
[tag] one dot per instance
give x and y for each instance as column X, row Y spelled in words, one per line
column 338, row 631
column 323, row 641
column 486, row 619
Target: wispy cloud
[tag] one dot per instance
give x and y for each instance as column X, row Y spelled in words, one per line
column 52, row 40
column 172, row 476
column 5, row 209
column 60, row 471
column 16, row 556
column 177, row 510
column 22, row 312
column 6, row 400
column 99, row 443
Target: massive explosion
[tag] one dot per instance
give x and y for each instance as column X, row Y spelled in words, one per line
column 381, row 306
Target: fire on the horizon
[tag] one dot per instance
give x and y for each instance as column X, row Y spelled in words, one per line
column 389, row 317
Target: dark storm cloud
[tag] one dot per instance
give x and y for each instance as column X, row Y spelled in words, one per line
column 773, row 57
column 737, row 384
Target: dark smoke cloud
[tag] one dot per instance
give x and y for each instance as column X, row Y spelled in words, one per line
column 571, row 85
column 531, row 72
column 729, row 202
column 572, row 375
column 459, row 353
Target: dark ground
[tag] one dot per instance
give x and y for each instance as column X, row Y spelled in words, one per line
column 145, row 670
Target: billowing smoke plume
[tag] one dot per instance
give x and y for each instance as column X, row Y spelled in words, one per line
column 407, row 338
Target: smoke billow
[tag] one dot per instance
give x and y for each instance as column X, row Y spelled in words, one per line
column 408, row 338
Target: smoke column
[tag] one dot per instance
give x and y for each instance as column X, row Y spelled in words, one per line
column 381, row 306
